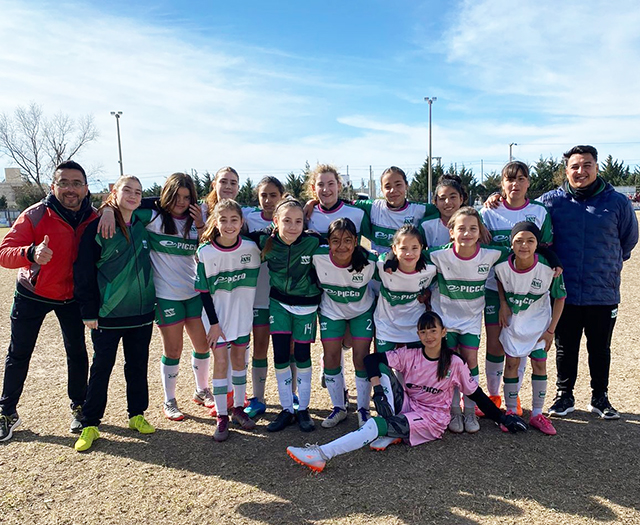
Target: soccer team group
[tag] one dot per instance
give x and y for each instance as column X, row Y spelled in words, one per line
column 279, row 272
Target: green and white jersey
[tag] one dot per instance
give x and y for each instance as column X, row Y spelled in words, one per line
column 527, row 292
column 501, row 220
column 398, row 309
column 386, row 221
column 172, row 257
column 230, row 275
column 459, row 296
column 256, row 221
column 321, row 219
column 345, row 294
column 435, row 232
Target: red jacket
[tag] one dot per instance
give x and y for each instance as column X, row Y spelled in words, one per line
column 53, row 280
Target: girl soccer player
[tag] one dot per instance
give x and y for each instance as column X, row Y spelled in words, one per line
column 417, row 411
column 512, row 208
column 225, row 185
column 270, row 191
column 526, row 282
column 228, row 267
column 463, row 268
column 113, row 283
column 344, row 271
column 448, row 198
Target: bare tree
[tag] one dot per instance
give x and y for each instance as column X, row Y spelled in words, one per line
column 37, row 144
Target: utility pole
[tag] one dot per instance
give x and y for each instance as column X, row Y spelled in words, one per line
column 430, row 101
column 117, row 114
column 511, row 150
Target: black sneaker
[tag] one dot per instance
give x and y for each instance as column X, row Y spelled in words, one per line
column 305, row 422
column 76, row 420
column 563, row 404
column 601, row 406
column 282, row 420
column 7, row 424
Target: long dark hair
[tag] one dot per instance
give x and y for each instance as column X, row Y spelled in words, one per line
column 168, row 197
column 360, row 257
column 410, row 229
column 433, row 320
column 288, row 201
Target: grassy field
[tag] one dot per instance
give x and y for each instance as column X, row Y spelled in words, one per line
column 587, row 474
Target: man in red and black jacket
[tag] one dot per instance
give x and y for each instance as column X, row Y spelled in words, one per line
column 43, row 244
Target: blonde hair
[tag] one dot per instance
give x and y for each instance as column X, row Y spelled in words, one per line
column 111, row 202
column 287, row 202
column 211, row 230
column 212, row 198
column 468, row 211
column 310, row 183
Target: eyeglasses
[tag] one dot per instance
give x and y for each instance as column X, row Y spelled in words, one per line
column 64, row 184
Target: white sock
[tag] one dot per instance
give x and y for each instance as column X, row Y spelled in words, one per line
column 539, row 388
column 335, row 386
column 283, row 377
column 169, row 369
column 511, row 390
column 200, row 367
column 220, row 396
column 494, row 370
column 259, row 369
column 363, row 390
column 469, row 405
column 521, row 370
column 455, row 401
column 351, row 441
column 239, row 378
column 304, row 388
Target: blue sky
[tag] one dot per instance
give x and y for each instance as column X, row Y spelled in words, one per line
column 266, row 86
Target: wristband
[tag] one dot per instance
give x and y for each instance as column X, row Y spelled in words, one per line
column 550, row 332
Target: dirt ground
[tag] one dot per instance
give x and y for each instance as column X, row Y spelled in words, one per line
column 588, row 474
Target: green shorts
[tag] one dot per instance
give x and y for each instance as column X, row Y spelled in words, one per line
column 456, row 340
column 539, row 354
column 361, row 327
column 491, row 307
column 260, row 317
column 173, row 312
column 301, row 327
column 241, row 341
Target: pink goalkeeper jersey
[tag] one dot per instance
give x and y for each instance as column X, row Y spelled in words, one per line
column 427, row 400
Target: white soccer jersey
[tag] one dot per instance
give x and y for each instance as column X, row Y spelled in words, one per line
column 385, row 221
column 527, row 292
column 459, row 296
column 398, row 309
column 435, row 231
column 172, row 257
column 501, row 220
column 230, row 275
column 345, row 294
column 256, row 221
column 321, row 219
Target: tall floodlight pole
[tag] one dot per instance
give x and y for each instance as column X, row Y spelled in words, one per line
column 117, row 115
column 430, row 100
column 511, row 150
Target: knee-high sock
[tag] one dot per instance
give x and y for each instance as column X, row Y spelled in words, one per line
column 304, row 387
column 334, row 379
column 511, row 389
column 239, row 378
column 200, row 366
column 229, row 370
column 283, row 377
column 220, row 396
column 470, row 406
column 363, row 389
column 455, row 402
column 539, row 387
column 169, row 369
column 521, row 370
column 353, row 440
column 494, row 367
column 259, row 369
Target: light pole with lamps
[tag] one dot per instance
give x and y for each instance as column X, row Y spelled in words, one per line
column 511, row 149
column 117, row 115
column 430, row 100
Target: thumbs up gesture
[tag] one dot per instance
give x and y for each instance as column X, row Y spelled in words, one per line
column 43, row 253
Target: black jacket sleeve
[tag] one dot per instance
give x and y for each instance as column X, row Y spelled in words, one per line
column 207, row 302
column 85, row 274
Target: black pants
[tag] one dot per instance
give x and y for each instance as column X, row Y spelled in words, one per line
column 135, row 343
column 597, row 323
column 27, row 316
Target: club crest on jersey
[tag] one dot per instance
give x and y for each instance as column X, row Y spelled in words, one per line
column 483, row 269
column 536, row 284
column 305, row 259
column 530, row 218
column 357, row 278
column 408, row 220
column 245, row 258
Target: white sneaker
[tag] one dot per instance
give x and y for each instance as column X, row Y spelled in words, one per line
column 337, row 415
column 310, row 456
column 471, row 425
column 171, row 410
column 381, row 443
column 456, row 425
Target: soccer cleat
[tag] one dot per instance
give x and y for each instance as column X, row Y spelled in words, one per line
column 241, row 419
column 305, row 423
column 456, row 425
column 383, row 442
column 603, row 408
column 204, row 398
column 363, row 416
column 86, row 439
column 7, row 425
column 222, row 429
column 76, row 420
column 140, row 424
column 310, row 456
column 542, row 424
column 282, row 420
column 255, row 408
column 171, row 410
column 497, row 401
column 562, row 405
column 337, row 415
column 508, row 413
column 518, row 407
column 471, row 425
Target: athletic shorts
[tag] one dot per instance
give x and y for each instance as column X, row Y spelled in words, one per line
column 491, row 307
column 456, row 340
column 301, row 327
column 384, row 346
column 243, row 340
column 539, row 354
column 173, row 312
column 260, row 317
column 361, row 327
